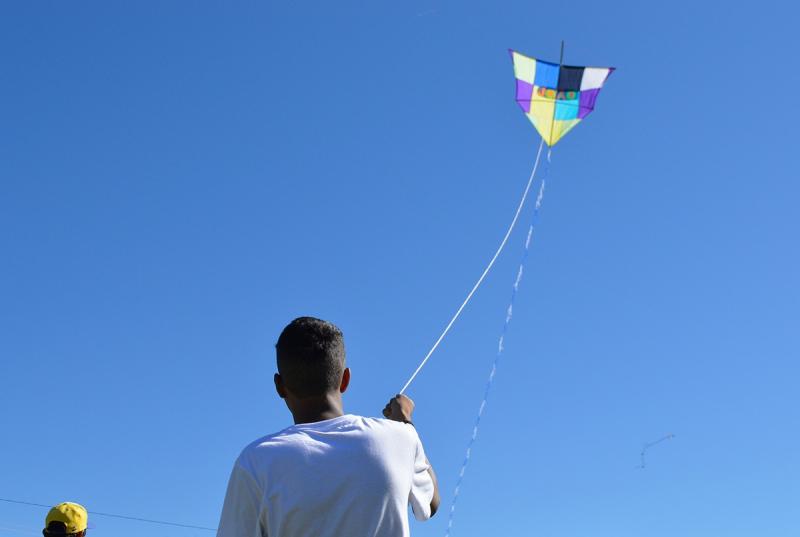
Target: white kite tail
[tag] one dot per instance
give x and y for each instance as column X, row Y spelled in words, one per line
column 485, row 271
column 500, row 349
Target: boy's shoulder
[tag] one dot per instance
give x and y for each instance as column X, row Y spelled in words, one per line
column 295, row 436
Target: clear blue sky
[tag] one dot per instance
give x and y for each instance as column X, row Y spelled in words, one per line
column 180, row 179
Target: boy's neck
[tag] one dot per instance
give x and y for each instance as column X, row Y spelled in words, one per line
column 313, row 409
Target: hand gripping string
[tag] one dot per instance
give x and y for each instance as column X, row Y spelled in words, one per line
column 500, row 348
column 485, row 271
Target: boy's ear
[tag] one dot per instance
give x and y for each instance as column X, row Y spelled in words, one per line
column 279, row 387
column 345, row 380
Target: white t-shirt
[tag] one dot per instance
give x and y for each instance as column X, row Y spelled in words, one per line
column 344, row 477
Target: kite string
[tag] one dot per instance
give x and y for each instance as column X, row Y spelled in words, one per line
column 500, row 348
column 485, row 271
column 124, row 517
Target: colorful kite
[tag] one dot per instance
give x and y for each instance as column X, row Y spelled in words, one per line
column 556, row 97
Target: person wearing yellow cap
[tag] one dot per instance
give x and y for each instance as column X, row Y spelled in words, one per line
column 66, row 520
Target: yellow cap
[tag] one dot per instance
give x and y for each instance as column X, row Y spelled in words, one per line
column 72, row 515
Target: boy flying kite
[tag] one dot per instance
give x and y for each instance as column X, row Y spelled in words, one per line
column 330, row 474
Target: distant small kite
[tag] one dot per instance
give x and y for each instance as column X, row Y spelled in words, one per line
column 651, row 444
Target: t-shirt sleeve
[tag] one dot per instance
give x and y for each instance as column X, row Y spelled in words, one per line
column 242, row 515
column 421, row 484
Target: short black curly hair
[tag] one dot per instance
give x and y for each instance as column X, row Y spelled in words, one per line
column 59, row 529
column 311, row 357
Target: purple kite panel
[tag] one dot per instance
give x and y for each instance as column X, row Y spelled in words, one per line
column 524, row 94
column 587, row 100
